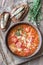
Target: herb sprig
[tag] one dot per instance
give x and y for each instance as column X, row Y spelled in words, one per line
column 35, row 11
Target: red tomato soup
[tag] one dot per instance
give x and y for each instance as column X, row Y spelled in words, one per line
column 23, row 40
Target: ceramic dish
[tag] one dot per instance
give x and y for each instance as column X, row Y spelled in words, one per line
column 28, row 53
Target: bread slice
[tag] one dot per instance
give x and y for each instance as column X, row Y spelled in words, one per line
column 26, row 8
column 7, row 22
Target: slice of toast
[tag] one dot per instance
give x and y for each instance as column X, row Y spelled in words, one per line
column 26, row 8
column 6, row 23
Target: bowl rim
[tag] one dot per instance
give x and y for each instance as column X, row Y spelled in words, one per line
column 39, row 33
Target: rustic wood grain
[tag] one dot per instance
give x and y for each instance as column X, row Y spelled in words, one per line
column 6, row 58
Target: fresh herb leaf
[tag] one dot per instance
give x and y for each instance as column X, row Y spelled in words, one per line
column 18, row 33
column 34, row 11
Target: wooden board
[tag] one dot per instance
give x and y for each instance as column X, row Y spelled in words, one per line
column 7, row 58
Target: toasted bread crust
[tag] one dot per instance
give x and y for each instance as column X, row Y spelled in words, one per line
column 6, row 26
column 23, row 15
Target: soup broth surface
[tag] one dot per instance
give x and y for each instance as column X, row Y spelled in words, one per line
column 23, row 40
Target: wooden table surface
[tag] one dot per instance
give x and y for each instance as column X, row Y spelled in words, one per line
column 38, row 61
